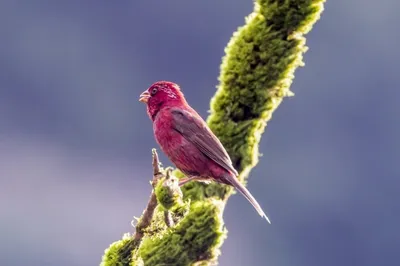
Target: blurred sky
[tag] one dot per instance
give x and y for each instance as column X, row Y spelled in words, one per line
column 75, row 143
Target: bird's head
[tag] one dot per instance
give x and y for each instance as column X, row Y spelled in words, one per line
column 160, row 95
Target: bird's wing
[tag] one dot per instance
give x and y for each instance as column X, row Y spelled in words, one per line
column 196, row 131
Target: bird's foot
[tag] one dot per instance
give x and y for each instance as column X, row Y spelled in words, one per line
column 183, row 181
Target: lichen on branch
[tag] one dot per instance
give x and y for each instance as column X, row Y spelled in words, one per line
column 256, row 74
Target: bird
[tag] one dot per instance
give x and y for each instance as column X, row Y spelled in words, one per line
column 188, row 142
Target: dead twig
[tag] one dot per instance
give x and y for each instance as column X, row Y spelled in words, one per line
column 147, row 216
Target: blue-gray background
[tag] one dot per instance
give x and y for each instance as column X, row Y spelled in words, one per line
column 75, row 143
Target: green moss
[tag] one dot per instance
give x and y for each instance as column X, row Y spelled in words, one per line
column 168, row 193
column 157, row 226
column 196, row 191
column 136, row 260
column 256, row 74
column 199, row 233
column 119, row 253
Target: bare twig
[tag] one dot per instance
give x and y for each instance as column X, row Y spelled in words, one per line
column 156, row 163
column 152, row 204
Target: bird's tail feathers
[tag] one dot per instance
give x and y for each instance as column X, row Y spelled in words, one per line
column 246, row 193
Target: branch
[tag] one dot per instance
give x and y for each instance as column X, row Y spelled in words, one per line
column 256, row 74
column 147, row 216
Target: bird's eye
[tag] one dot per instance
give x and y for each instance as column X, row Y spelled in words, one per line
column 154, row 91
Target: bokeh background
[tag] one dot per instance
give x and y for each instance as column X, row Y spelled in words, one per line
column 75, row 143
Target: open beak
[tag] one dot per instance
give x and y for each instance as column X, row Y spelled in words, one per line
column 144, row 97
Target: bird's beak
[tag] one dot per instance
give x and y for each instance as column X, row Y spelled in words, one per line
column 144, row 97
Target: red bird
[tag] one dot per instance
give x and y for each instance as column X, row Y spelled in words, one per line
column 187, row 140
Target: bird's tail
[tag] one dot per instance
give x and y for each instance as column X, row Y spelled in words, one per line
column 232, row 180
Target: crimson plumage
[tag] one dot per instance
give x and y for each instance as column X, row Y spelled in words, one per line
column 187, row 140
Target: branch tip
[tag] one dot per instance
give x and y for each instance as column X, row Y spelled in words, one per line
column 156, row 162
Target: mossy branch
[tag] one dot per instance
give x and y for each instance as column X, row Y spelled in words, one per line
column 256, row 73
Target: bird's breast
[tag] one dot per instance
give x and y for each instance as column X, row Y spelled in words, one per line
column 166, row 136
